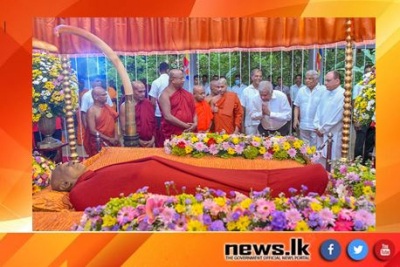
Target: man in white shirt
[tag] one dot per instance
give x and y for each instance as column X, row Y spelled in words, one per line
column 281, row 87
column 205, row 84
column 238, row 87
column 306, row 104
column 156, row 89
column 329, row 115
column 272, row 108
column 87, row 99
column 250, row 125
column 294, row 89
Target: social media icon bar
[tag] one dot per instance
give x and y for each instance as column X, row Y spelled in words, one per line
column 357, row 249
column 384, row 249
column 330, row 250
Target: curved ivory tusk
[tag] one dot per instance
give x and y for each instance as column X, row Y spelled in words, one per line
column 37, row 44
column 130, row 115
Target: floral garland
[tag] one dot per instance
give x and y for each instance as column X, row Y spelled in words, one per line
column 213, row 210
column 41, row 172
column 47, row 90
column 364, row 104
column 249, row 147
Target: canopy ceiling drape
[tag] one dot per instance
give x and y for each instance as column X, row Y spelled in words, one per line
column 169, row 35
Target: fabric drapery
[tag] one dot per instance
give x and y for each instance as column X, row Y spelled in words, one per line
column 169, row 35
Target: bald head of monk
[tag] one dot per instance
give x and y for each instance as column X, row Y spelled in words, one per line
column 64, row 176
column 139, row 91
column 222, row 86
column 99, row 95
column 214, row 87
column 176, row 78
column 199, row 93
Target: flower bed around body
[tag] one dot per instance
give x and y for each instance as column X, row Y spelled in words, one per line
column 41, row 172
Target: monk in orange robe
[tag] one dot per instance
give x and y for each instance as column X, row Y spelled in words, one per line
column 177, row 107
column 144, row 115
column 228, row 111
column 203, row 110
column 101, row 120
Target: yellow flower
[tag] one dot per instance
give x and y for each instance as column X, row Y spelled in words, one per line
column 109, row 221
column 219, row 140
column 205, row 140
column 221, row 201
column 316, row 206
column 35, row 189
column 276, row 148
column 197, row 209
column 309, row 151
column 231, row 151
column 188, row 149
column 262, row 150
column 257, row 139
column 296, row 144
column 301, row 226
column 43, row 107
column 180, row 208
column 372, row 82
column 36, row 169
column 371, row 228
column 336, row 209
column 225, row 136
column 243, row 223
column 363, row 104
column 367, row 190
column 286, row 146
column 195, row 225
column 231, row 226
column 245, row 203
column 49, row 85
column 235, row 140
column 313, row 149
column 194, row 139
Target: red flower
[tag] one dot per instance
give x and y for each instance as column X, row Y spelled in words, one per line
column 181, row 144
column 271, row 151
column 343, row 225
column 211, row 141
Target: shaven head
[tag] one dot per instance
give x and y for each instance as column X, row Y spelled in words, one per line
column 214, row 87
column 64, row 176
column 99, row 95
column 139, row 91
column 176, row 78
column 222, row 86
column 265, row 89
column 199, row 93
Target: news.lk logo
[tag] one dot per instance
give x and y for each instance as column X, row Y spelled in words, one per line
column 384, row 249
column 330, row 250
column 357, row 249
column 298, row 251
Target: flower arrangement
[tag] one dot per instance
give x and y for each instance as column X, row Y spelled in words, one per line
column 364, row 104
column 47, row 90
column 214, row 210
column 249, row 147
column 41, row 172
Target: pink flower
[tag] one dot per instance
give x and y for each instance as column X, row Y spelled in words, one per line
column 303, row 150
column 365, row 217
column 293, row 216
column 154, row 206
column 225, row 145
column 268, row 156
column 292, row 152
column 126, row 214
column 256, row 144
column 343, row 169
column 327, row 217
column 343, row 225
column 199, row 146
column 267, row 144
column 167, row 215
column 239, row 149
column 264, row 208
column 214, row 149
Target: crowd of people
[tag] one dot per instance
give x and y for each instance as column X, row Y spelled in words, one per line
column 310, row 110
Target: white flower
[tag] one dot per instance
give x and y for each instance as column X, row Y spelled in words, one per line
column 341, row 190
column 44, row 79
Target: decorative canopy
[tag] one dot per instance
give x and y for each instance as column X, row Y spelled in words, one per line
column 172, row 35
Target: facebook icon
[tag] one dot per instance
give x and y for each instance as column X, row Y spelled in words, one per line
column 330, row 250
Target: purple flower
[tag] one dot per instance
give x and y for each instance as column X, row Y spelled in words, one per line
column 358, row 225
column 220, row 193
column 252, row 207
column 199, row 197
column 225, row 145
column 304, row 188
column 214, row 149
column 278, row 222
column 188, row 201
column 327, row 217
column 353, row 177
column 256, row 144
column 126, row 214
column 292, row 152
column 207, row 219
column 268, row 156
column 365, row 217
column 292, row 190
column 236, row 215
column 217, row 225
column 232, row 193
column 343, row 169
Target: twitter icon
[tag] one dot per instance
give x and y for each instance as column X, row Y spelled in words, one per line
column 357, row 249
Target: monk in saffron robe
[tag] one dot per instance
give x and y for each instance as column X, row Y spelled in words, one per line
column 144, row 115
column 203, row 109
column 228, row 111
column 92, row 188
column 101, row 120
column 177, row 107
